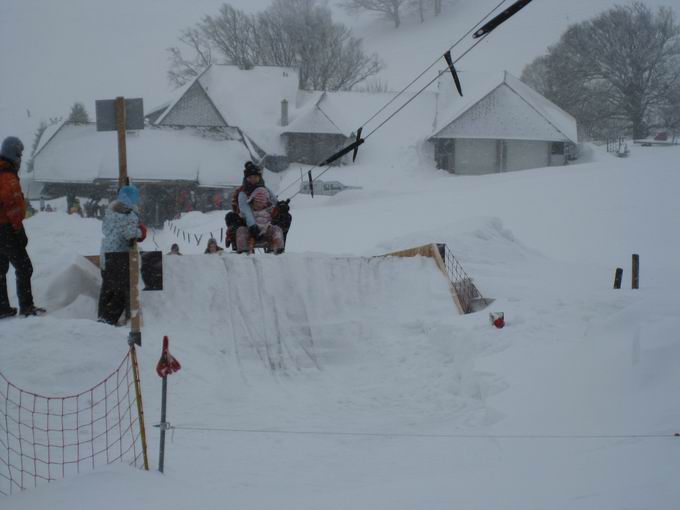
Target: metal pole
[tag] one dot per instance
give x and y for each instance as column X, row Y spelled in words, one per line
column 163, row 425
column 635, row 283
column 122, row 150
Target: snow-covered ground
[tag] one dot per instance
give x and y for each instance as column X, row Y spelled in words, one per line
column 324, row 378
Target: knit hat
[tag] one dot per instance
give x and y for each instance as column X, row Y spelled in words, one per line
column 128, row 195
column 251, row 168
column 12, row 149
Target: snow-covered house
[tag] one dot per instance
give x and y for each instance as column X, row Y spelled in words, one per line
column 176, row 169
column 244, row 103
column 319, row 129
column 328, row 121
column 499, row 125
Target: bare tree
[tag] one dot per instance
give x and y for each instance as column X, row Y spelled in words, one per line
column 390, row 9
column 296, row 33
column 182, row 69
column 622, row 64
column 232, row 34
column 437, row 5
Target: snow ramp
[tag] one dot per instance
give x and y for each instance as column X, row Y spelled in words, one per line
column 296, row 311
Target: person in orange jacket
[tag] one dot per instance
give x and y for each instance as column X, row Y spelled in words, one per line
column 13, row 239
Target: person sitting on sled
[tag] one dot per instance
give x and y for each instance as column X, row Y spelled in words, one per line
column 256, row 203
column 280, row 214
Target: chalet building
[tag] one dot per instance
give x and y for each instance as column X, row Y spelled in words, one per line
column 499, row 125
column 243, row 104
column 318, row 131
column 177, row 170
column 191, row 153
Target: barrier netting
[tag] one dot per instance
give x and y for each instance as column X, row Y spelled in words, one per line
column 47, row 438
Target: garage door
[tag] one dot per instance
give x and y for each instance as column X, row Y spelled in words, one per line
column 475, row 157
column 521, row 155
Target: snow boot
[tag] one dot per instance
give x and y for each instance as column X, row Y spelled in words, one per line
column 32, row 310
column 9, row 312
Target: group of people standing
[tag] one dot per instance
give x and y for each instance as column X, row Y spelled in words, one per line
column 257, row 218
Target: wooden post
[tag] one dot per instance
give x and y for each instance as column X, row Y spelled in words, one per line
column 618, row 276
column 140, row 405
column 135, row 308
column 122, row 150
column 635, row 283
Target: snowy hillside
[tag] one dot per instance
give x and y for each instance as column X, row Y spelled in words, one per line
column 340, row 381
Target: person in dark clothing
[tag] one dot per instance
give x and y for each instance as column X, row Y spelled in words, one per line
column 13, row 239
column 174, row 249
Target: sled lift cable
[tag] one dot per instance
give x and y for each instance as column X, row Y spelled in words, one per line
column 434, row 63
column 394, row 113
column 480, row 34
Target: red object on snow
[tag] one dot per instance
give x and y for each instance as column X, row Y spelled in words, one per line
column 497, row 319
column 167, row 364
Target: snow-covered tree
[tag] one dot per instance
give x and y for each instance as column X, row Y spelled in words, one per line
column 389, row 9
column 78, row 114
column 620, row 65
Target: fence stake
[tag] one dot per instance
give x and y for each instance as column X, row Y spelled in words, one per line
column 617, row 277
column 635, row 283
column 163, row 425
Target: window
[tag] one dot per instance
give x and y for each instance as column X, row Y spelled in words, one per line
column 557, row 148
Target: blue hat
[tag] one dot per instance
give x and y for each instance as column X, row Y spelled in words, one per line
column 128, row 195
column 12, row 149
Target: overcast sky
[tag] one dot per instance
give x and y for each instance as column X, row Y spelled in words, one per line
column 56, row 52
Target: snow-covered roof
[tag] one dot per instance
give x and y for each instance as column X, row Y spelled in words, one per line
column 47, row 136
column 498, row 105
column 81, row 154
column 248, row 99
column 343, row 112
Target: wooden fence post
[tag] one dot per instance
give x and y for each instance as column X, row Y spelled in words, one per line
column 617, row 277
column 635, row 283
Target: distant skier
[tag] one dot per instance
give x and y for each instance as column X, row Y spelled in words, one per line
column 121, row 226
column 13, row 239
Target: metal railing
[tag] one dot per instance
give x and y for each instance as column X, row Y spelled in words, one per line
column 468, row 294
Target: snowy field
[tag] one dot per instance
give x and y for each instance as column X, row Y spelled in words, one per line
column 327, row 379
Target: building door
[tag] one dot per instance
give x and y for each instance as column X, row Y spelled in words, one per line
column 522, row 155
column 476, row 156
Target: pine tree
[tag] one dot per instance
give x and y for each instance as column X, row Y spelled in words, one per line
column 78, row 114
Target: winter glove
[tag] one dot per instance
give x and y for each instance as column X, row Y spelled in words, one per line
column 254, row 232
column 283, row 206
column 142, row 227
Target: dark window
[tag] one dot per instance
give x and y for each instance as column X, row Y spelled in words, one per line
column 557, row 148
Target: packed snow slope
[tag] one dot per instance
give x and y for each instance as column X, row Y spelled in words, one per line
column 324, row 378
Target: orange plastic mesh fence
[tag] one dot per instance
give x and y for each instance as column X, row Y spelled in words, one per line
column 48, row 438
